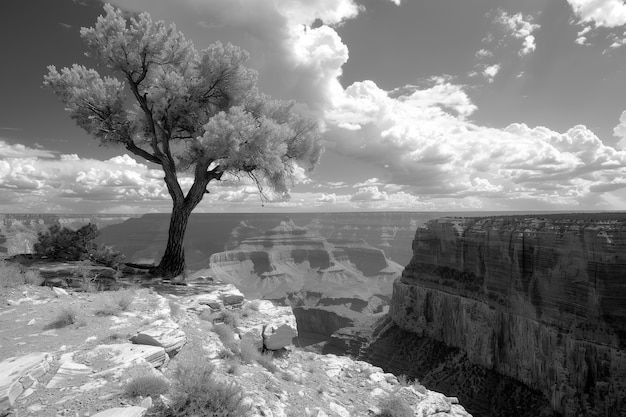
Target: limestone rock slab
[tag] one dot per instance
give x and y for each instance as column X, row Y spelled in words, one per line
column 19, row 373
column 172, row 339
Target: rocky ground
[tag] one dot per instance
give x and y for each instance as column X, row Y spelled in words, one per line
column 105, row 342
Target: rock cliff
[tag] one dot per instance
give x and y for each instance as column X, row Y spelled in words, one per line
column 539, row 299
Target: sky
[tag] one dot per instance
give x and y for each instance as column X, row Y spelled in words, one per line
column 425, row 105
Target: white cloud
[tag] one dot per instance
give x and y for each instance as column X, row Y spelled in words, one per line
column 606, row 13
column 368, row 183
column 369, row 194
column 432, row 149
column 328, row 198
column 304, row 62
column 620, row 131
column 491, row 71
column 521, row 27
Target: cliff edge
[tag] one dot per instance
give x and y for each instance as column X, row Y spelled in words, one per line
column 539, row 299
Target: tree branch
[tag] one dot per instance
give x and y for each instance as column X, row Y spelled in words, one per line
column 132, row 147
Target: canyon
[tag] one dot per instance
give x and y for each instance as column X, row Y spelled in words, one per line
column 519, row 315
column 538, row 299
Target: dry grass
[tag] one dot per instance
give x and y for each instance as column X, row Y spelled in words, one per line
column 12, row 275
column 64, row 318
column 146, row 385
column 115, row 303
column 197, row 392
column 394, row 406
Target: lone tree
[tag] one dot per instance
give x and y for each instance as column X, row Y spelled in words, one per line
column 187, row 111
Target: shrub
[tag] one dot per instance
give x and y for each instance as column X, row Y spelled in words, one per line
column 123, row 299
column 61, row 243
column 65, row 317
column 12, row 275
column 394, row 406
column 107, row 256
column 199, row 394
column 146, row 385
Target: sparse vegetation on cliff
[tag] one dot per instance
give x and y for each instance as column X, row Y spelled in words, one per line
column 63, row 244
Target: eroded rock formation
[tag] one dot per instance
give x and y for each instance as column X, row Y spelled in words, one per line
column 290, row 261
column 538, row 299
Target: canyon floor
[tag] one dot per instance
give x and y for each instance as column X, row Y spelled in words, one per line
column 295, row 382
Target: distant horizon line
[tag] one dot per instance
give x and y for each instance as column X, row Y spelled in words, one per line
column 314, row 212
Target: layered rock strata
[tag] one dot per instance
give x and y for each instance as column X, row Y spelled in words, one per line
column 289, row 261
column 538, row 299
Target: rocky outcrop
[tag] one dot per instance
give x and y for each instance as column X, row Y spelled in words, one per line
column 539, row 299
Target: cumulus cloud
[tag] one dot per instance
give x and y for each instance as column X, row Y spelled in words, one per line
column 491, row 71
column 606, row 13
column 519, row 26
column 600, row 14
column 511, row 29
column 369, row 194
column 328, row 198
column 431, row 147
column 620, row 131
column 305, row 61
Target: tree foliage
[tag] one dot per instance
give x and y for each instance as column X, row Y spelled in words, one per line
column 188, row 111
column 192, row 111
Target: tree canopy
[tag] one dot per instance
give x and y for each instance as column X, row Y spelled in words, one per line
column 188, row 111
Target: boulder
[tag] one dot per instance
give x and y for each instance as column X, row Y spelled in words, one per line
column 18, row 374
column 280, row 331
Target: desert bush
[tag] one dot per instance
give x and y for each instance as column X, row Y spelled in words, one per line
column 107, row 256
column 12, row 275
column 114, row 303
column 65, row 317
column 123, row 299
column 62, row 243
column 395, row 406
column 199, row 394
column 146, row 385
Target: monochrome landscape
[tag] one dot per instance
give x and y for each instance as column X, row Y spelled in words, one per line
column 309, row 208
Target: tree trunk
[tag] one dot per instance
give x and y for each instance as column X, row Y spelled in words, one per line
column 173, row 261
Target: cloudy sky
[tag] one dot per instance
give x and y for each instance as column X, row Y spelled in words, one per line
column 426, row 104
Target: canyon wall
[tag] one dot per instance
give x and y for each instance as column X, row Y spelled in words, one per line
column 539, row 299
